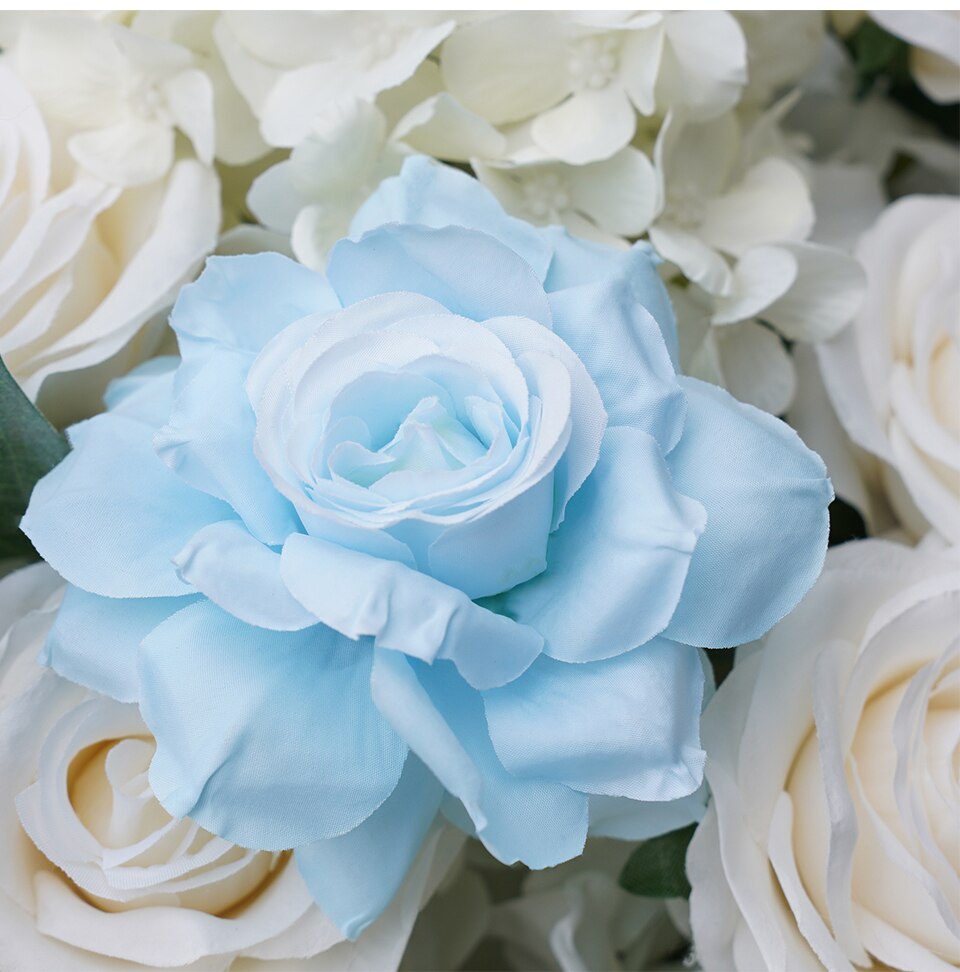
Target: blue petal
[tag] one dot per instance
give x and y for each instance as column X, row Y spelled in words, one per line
column 617, row 565
column 627, row 726
column 766, row 496
column 538, row 821
column 607, row 322
column 354, row 877
column 241, row 575
column 146, row 392
column 111, row 516
column 470, row 273
column 436, row 195
column 241, row 302
column 577, row 262
column 94, row 639
column 404, row 610
column 627, row 819
column 211, row 448
column 269, row 739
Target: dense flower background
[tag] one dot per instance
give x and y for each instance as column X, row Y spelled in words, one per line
column 426, row 380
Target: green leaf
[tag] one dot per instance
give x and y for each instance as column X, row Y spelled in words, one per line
column 29, row 448
column 656, row 869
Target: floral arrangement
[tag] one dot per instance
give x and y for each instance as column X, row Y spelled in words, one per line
column 421, row 436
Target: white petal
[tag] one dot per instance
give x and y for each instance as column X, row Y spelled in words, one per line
column 443, row 128
column 823, row 298
column 704, row 66
column 770, row 205
column 621, row 194
column 589, row 126
column 508, row 67
column 698, row 261
column 130, row 153
column 189, row 96
column 760, row 277
column 756, row 367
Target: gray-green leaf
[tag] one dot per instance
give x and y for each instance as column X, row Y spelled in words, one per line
column 656, row 869
column 29, row 448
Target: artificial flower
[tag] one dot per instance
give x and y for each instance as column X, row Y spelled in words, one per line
column 893, row 376
column 292, row 64
column 603, row 201
column 831, row 838
column 85, row 264
column 579, row 79
column 237, row 138
column 98, row 876
column 722, row 198
column 445, row 542
column 315, row 193
column 119, row 95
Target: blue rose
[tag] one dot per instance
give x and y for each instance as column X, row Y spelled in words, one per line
column 437, row 533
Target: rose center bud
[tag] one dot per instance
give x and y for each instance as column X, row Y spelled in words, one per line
column 594, row 62
column 109, row 793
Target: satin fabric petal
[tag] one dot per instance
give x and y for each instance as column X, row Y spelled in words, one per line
column 111, row 516
column 430, row 194
column 212, row 448
column 406, row 611
column 624, row 550
column 766, row 496
column 354, row 877
column 615, row 305
column 272, row 758
column 442, row 264
column 538, row 821
column 113, row 628
column 626, row 726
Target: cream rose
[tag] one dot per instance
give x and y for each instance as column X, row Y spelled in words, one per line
column 98, row 876
column 894, row 375
column 85, row 263
column 832, row 838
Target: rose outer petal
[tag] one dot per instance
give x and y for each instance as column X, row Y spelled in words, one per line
column 269, row 739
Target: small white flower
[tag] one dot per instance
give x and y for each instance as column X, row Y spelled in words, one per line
column 120, row 95
column 237, row 132
column 290, row 65
column 604, row 201
column 314, row 194
column 581, row 78
column 720, row 201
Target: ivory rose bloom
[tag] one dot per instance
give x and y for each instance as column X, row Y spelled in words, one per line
column 84, row 263
column 894, row 375
column 97, row 876
column 831, row 841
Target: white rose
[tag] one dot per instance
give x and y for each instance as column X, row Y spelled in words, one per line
column 98, row 876
column 85, row 264
column 894, row 375
column 832, row 839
